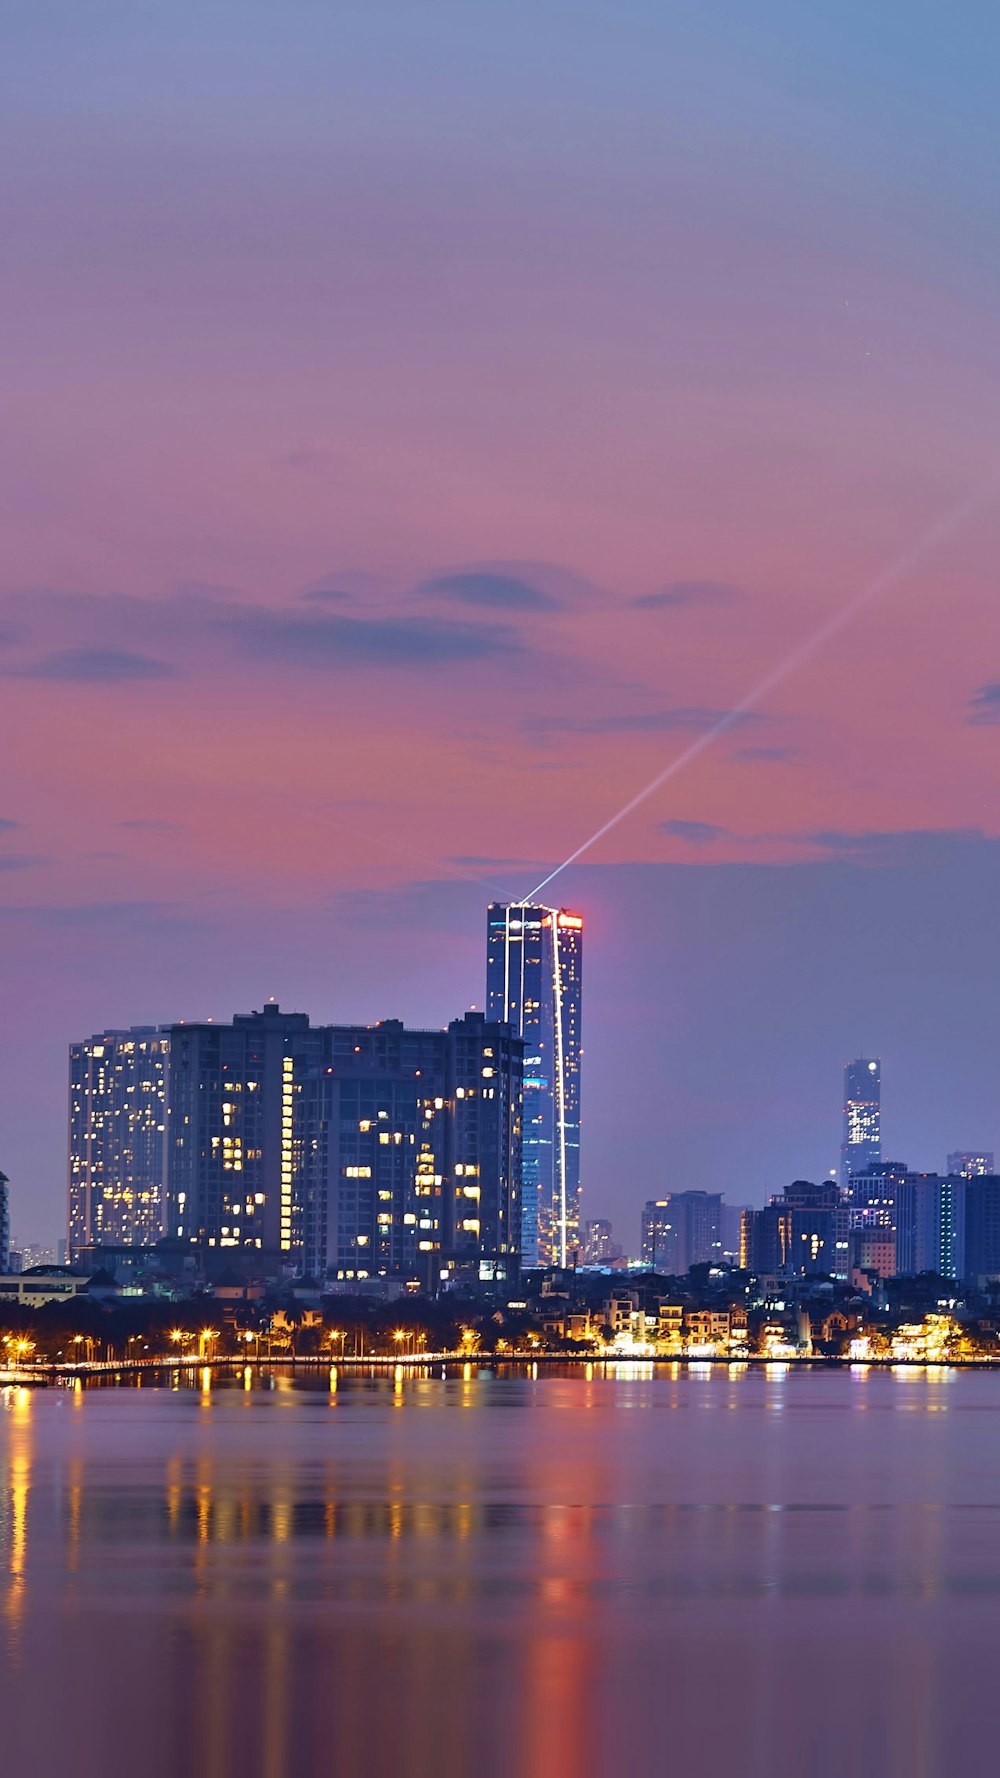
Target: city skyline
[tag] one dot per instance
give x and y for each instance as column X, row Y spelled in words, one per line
column 328, row 618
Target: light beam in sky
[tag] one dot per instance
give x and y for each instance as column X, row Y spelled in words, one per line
column 942, row 529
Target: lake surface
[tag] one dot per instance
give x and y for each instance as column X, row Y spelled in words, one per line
column 700, row 1572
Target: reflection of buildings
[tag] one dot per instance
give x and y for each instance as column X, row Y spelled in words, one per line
column 862, row 1140
column 358, row 1151
column 117, row 1141
column 683, row 1229
column 534, row 964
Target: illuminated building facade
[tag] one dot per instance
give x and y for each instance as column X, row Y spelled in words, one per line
column 534, row 978
column 862, row 1139
column 117, row 1138
column 351, row 1152
column 873, row 1210
column 681, row 1230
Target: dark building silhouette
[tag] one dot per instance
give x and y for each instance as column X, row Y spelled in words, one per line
column 534, row 981
column 982, row 1228
column 4, row 1223
column 803, row 1232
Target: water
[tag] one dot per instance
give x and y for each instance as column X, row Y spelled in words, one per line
column 705, row 1572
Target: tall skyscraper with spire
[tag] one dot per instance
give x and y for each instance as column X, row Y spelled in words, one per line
column 534, row 971
column 862, row 1141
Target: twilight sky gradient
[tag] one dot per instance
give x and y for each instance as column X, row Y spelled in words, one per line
column 420, row 421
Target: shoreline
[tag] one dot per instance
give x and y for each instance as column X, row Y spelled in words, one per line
column 54, row 1375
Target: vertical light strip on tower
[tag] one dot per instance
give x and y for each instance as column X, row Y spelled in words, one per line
column 559, row 1059
column 287, row 1091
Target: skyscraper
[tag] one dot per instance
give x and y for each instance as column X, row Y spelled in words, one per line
column 117, row 1138
column 681, row 1230
column 349, row 1151
column 862, row 1140
column 4, row 1223
column 534, row 965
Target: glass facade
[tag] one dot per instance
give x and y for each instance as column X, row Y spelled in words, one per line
column 862, row 1139
column 534, row 975
column 117, row 1138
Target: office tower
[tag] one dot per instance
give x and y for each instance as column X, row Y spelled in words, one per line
column 930, row 1225
column 117, row 1138
column 4, row 1222
column 862, row 1140
column 803, row 1232
column 982, row 1228
column 682, row 1230
column 873, row 1217
column 347, row 1151
column 968, row 1165
column 534, row 962
column 598, row 1247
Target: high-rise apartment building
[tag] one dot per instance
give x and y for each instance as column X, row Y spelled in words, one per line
column 873, row 1213
column 534, row 972
column 970, row 1165
column 117, row 1138
column 930, row 1225
column 982, row 1228
column 353, row 1152
column 862, row 1138
column 681, row 1230
column 598, row 1246
column 803, row 1232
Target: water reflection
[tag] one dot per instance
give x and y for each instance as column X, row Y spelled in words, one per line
column 494, row 1574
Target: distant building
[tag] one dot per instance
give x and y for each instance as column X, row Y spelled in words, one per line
column 534, row 981
column 598, row 1247
column 349, row 1152
column 117, row 1137
column 730, row 1223
column 34, row 1255
column 43, row 1284
column 681, row 1230
column 968, row 1165
column 872, row 1195
column 4, row 1223
column 803, row 1232
column 862, row 1138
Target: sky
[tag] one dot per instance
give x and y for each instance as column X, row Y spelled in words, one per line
column 423, row 422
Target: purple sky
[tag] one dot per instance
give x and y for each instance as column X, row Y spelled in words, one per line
column 419, row 424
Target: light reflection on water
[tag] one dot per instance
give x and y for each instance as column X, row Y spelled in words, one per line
column 557, row 1575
